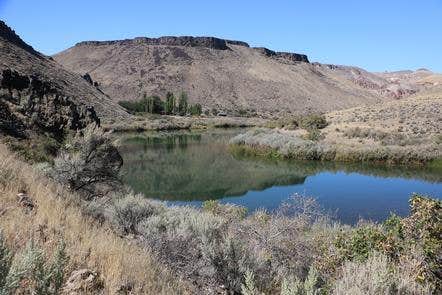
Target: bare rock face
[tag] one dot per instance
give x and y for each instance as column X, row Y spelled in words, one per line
column 38, row 95
column 188, row 41
column 289, row 56
column 29, row 103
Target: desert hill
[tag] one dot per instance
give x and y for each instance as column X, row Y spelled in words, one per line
column 223, row 75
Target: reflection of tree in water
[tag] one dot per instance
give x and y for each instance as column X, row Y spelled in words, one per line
column 198, row 166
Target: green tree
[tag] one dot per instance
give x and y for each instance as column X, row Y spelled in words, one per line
column 196, row 110
column 170, row 103
column 182, row 104
column 157, row 105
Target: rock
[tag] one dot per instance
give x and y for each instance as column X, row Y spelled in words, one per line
column 289, row 56
column 88, row 78
column 188, row 41
column 83, row 281
column 25, row 201
column 29, row 102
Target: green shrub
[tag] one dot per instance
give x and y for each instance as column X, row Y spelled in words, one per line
column 424, row 226
column 313, row 134
column 43, row 276
column 42, row 148
column 357, row 244
column 196, row 110
column 312, row 122
column 295, row 286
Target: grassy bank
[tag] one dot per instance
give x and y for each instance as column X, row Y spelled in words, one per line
column 56, row 216
column 150, row 122
column 276, row 143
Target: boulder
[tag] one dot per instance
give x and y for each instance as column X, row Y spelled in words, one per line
column 83, row 281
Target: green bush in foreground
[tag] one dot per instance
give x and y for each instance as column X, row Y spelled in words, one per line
column 31, row 270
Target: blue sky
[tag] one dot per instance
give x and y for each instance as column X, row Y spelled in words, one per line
column 373, row 34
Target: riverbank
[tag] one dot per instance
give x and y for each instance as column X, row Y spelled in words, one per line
column 150, row 122
column 400, row 132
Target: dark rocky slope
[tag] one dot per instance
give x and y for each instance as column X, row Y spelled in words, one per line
column 37, row 94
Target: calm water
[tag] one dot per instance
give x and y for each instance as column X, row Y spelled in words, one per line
column 190, row 167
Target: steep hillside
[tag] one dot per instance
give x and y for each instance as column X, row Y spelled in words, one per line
column 220, row 74
column 36, row 93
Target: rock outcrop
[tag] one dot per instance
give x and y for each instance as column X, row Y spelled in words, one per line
column 29, row 103
column 37, row 95
column 188, row 41
column 289, row 56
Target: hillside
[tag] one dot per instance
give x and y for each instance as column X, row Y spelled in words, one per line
column 400, row 131
column 225, row 75
column 37, row 93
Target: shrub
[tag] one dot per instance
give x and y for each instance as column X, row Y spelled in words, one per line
column 249, row 288
column 375, row 276
column 228, row 211
column 129, row 211
column 42, row 276
column 358, row 243
column 230, row 261
column 424, row 225
column 312, row 122
column 90, row 165
column 313, row 134
column 295, row 286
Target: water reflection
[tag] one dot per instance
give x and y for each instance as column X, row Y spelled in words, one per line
column 197, row 166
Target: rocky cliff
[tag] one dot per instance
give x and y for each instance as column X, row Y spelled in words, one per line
column 30, row 104
column 37, row 94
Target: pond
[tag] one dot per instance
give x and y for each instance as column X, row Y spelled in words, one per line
column 185, row 167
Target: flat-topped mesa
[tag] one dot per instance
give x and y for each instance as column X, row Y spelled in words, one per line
column 189, row 41
column 290, row 56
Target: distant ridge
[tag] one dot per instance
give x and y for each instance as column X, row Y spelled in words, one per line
column 190, row 41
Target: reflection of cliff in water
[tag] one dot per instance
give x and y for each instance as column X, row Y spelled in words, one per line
column 198, row 166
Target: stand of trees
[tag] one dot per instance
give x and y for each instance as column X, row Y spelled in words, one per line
column 170, row 106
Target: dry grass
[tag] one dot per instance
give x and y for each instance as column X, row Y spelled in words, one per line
column 88, row 244
column 403, row 131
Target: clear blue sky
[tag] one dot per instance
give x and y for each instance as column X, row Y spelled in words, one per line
column 374, row 34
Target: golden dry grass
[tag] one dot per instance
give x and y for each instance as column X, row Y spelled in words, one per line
column 88, row 244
